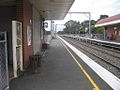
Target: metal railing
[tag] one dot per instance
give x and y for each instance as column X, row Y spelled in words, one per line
column 110, row 44
column 4, row 82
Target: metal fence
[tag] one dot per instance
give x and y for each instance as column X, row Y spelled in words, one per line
column 4, row 83
column 97, row 36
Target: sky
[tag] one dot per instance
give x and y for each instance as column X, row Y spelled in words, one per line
column 95, row 7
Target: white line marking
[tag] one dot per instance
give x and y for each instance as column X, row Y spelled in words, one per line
column 107, row 76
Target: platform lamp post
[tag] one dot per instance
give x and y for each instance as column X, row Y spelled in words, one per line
column 52, row 28
column 56, row 27
column 89, row 23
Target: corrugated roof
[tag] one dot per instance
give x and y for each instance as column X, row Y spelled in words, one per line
column 108, row 21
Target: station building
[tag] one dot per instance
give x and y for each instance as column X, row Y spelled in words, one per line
column 23, row 22
column 112, row 27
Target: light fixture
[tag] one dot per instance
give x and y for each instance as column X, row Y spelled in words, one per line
column 115, row 28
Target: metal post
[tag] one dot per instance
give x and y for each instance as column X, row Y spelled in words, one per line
column 89, row 23
column 70, row 23
column 7, row 73
column 104, row 34
column 51, row 25
column 52, row 28
column 4, row 76
column 55, row 29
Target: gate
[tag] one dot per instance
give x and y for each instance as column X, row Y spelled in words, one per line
column 4, row 83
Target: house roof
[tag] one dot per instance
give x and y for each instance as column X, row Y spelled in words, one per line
column 108, row 21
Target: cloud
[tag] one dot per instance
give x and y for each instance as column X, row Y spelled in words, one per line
column 96, row 7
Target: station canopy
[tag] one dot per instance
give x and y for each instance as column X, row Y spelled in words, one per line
column 53, row 9
column 49, row 9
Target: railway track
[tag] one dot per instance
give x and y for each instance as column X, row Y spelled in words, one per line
column 84, row 47
column 112, row 52
column 106, row 51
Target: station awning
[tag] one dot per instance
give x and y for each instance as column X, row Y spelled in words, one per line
column 53, row 9
column 49, row 9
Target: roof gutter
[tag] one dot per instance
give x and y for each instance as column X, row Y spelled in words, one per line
column 108, row 23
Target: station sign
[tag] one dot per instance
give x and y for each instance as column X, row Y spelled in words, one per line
column 45, row 24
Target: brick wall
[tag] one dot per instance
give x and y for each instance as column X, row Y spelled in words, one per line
column 24, row 14
column 27, row 9
column 115, row 30
column 19, row 10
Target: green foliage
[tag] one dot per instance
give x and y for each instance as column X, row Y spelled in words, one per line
column 103, row 17
column 97, row 30
column 100, row 30
column 73, row 27
column 82, row 31
column 93, row 29
column 60, row 32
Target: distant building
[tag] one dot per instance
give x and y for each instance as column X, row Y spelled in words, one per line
column 112, row 27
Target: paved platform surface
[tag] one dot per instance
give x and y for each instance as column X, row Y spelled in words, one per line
column 59, row 72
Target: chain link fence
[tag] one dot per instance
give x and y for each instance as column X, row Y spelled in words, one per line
column 4, row 83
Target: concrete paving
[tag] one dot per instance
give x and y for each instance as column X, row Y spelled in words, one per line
column 59, row 72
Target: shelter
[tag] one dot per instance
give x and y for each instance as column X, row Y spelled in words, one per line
column 23, row 20
column 112, row 27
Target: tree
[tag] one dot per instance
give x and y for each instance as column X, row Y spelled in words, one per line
column 71, row 27
column 60, row 32
column 99, row 30
column 93, row 22
column 75, row 27
column 103, row 17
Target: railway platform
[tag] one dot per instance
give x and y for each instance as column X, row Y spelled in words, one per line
column 62, row 70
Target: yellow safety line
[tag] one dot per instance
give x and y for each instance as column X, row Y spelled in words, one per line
column 80, row 66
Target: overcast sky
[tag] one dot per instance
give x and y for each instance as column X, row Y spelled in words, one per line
column 95, row 7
